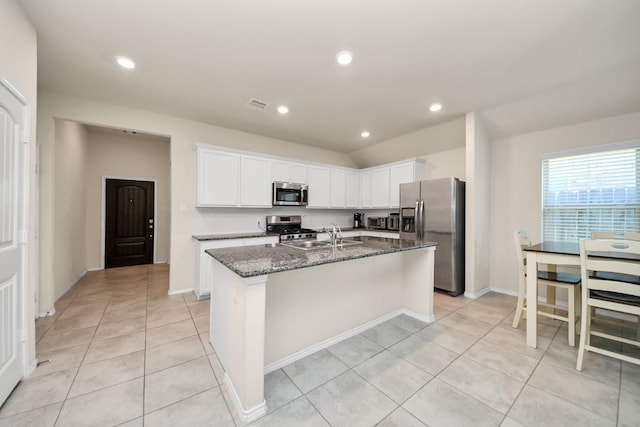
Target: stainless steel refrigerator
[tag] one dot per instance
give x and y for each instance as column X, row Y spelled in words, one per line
column 433, row 210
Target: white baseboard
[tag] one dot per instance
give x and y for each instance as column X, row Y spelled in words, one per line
column 510, row 292
column 47, row 313
column 180, row 291
column 343, row 336
column 478, row 294
column 245, row 415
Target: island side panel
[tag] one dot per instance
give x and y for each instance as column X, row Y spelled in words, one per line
column 418, row 282
column 237, row 333
column 311, row 305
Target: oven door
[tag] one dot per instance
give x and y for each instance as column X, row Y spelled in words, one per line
column 288, row 194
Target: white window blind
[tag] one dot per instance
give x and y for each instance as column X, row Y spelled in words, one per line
column 595, row 191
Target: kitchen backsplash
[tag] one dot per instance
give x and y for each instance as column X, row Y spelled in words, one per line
column 244, row 220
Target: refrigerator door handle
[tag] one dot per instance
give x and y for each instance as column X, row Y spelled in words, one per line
column 416, row 219
column 422, row 220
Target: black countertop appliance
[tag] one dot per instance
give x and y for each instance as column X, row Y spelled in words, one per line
column 358, row 220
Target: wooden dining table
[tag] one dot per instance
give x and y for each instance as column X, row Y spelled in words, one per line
column 558, row 253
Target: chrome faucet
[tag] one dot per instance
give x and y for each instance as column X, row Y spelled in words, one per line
column 335, row 235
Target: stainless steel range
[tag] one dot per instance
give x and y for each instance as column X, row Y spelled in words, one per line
column 289, row 228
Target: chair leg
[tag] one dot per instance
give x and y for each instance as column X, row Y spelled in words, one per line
column 585, row 319
column 519, row 310
column 571, row 315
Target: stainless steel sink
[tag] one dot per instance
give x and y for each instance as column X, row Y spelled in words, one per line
column 318, row 244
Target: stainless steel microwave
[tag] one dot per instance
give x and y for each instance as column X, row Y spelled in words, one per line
column 290, row 194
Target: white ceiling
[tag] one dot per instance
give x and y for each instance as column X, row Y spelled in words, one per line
column 525, row 63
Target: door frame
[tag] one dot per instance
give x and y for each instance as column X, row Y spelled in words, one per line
column 103, row 222
column 23, row 231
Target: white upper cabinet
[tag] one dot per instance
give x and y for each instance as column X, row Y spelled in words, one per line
column 319, row 181
column 255, row 181
column 365, row 189
column 352, row 189
column 284, row 171
column 401, row 174
column 218, row 176
column 338, row 188
column 281, row 171
column 299, row 173
column 230, row 178
column 380, row 188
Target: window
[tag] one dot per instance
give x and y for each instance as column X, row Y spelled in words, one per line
column 592, row 191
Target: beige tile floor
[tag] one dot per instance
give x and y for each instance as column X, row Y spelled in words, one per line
column 123, row 352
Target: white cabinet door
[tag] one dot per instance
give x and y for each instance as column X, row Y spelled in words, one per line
column 218, row 177
column 338, row 188
column 256, row 182
column 299, row 173
column 281, row 171
column 380, row 188
column 284, row 171
column 352, row 189
column 319, row 180
column 399, row 174
column 204, row 264
column 365, row 189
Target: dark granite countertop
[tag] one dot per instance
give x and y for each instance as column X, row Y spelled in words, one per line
column 204, row 237
column 256, row 260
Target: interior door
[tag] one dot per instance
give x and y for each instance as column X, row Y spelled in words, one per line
column 130, row 227
column 12, row 247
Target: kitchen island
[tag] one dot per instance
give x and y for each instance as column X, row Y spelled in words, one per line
column 272, row 304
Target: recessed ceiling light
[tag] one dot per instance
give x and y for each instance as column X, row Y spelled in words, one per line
column 125, row 62
column 435, row 107
column 283, row 109
column 344, row 57
column 365, row 134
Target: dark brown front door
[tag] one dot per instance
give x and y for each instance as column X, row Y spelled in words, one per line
column 129, row 223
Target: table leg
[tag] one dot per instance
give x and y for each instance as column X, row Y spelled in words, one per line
column 532, row 299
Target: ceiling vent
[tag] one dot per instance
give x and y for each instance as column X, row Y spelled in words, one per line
column 256, row 104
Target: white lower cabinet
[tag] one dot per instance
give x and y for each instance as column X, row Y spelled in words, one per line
column 203, row 268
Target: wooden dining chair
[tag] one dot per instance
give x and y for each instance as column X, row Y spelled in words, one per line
column 612, row 283
column 552, row 280
column 627, row 235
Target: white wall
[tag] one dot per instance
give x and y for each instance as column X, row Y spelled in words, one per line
column 427, row 141
column 516, row 183
column 70, row 202
column 126, row 156
column 183, row 133
column 445, row 164
column 18, row 65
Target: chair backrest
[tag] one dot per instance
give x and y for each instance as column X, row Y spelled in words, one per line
column 521, row 240
column 625, row 235
column 609, row 258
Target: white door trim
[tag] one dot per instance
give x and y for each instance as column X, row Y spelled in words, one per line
column 103, row 220
column 23, row 229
